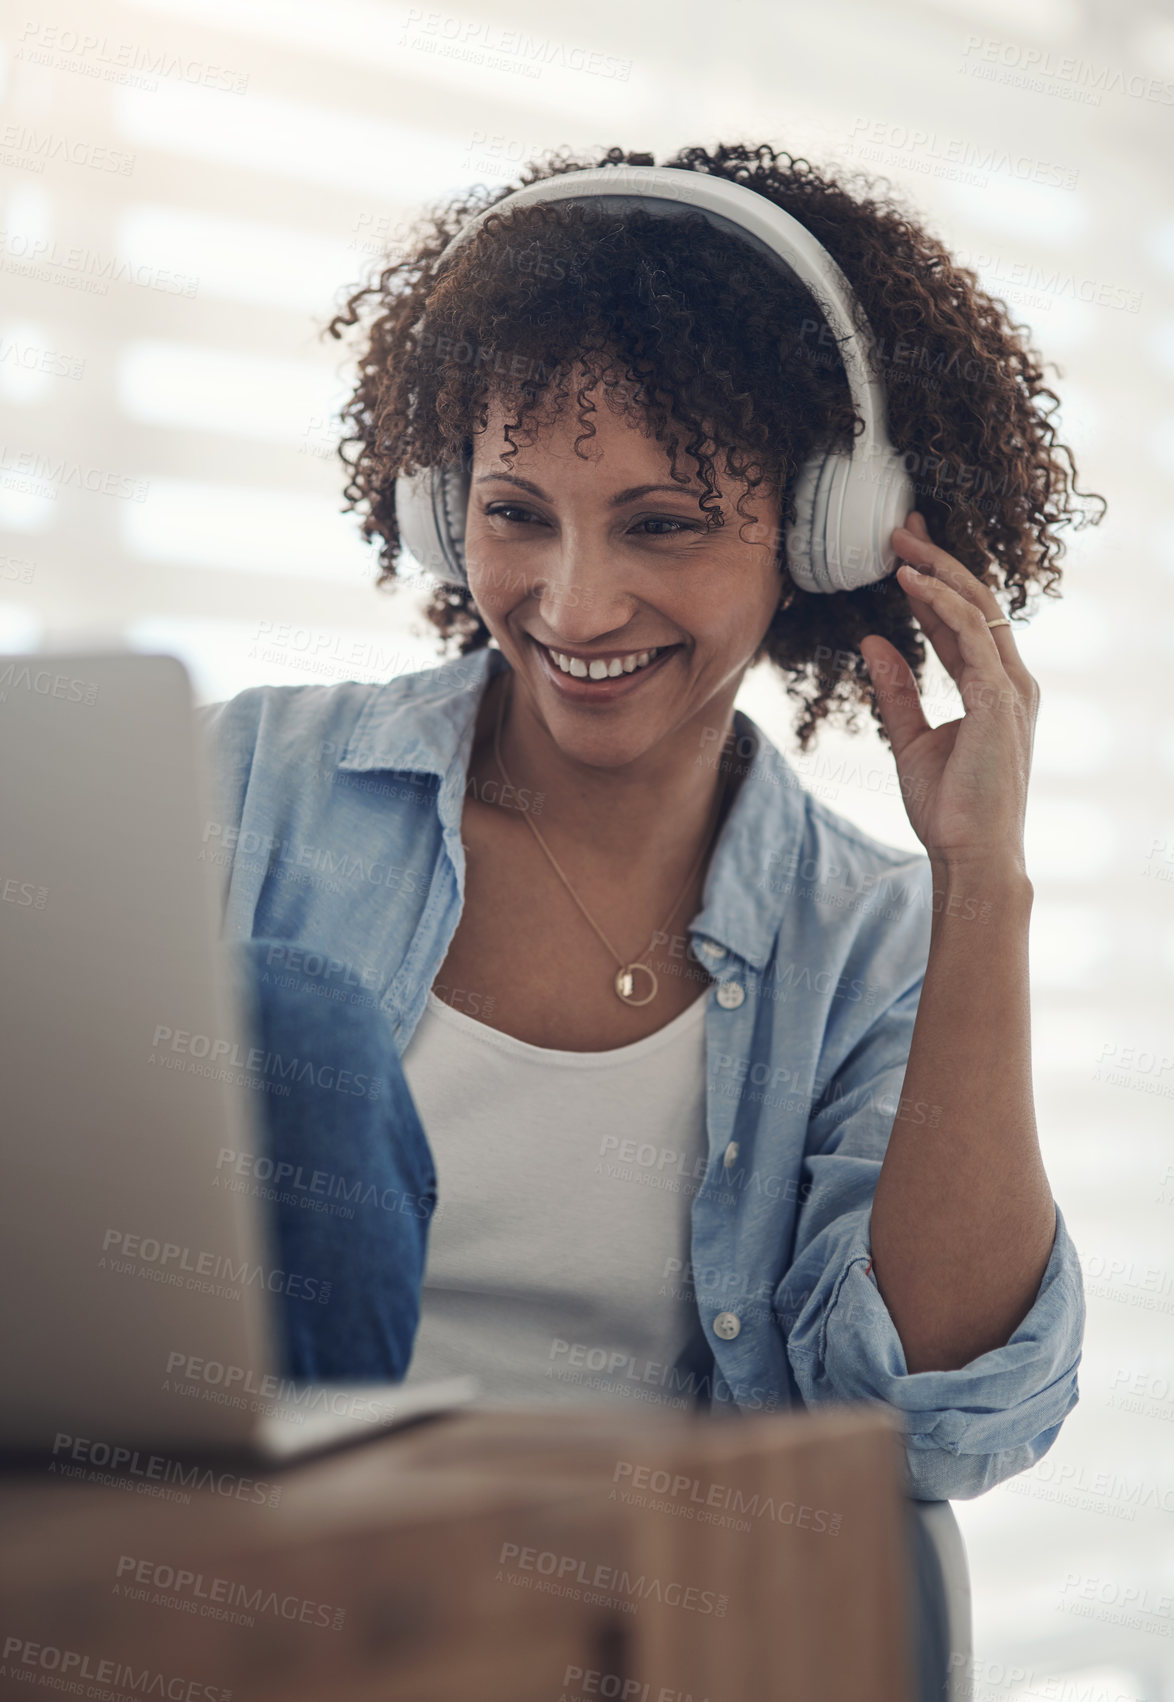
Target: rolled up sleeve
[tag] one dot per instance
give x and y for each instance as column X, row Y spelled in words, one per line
column 966, row 1429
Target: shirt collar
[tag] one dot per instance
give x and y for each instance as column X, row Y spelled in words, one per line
column 423, row 723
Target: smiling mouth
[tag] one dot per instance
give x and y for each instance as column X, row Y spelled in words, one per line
column 599, row 668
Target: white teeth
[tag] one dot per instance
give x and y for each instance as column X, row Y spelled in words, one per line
column 600, row 670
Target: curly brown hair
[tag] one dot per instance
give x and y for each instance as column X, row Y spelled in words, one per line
column 689, row 327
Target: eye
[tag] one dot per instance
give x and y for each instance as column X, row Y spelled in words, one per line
column 667, row 525
column 512, row 512
column 672, row 520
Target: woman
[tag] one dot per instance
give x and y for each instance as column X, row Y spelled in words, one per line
column 729, row 1102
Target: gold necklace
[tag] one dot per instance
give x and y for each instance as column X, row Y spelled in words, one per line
column 625, row 982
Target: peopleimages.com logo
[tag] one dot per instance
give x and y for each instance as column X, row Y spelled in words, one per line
column 31, row 1661
column 218, row 1052
column 147, row 1254
column 76, row 1455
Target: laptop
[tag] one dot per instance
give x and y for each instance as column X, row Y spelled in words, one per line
column 116, row 1335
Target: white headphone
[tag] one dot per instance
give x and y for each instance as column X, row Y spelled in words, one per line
column 847, row 501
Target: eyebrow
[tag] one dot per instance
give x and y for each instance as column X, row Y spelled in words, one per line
column 617, row 501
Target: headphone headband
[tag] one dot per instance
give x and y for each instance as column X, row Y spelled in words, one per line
column 847, row 502
column 741, row 213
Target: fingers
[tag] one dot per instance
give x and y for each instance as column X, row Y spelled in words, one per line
column 973, row 639
column 914, row 544
column 952, row 605
column 952, row 608
column 895, row 689
column 934, row 628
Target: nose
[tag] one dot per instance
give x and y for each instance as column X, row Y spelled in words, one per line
column 581, row 595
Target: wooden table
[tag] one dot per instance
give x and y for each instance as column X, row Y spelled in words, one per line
column 538, row 1555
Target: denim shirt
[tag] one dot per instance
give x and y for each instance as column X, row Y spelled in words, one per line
column 340, row 830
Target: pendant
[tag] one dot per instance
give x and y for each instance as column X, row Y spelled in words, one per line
column 625, row 983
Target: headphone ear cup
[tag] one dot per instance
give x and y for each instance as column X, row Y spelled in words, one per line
column 846, row 508
column 455, row 483
column 805, row 534
column 869, row 496
column 430, row 511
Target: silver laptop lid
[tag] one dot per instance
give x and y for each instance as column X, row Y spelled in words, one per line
column 119, row 1251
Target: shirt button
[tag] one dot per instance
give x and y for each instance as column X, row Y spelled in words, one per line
column 730, row 995
column 710, row 949
column 727, row 1325
column 731, row 1154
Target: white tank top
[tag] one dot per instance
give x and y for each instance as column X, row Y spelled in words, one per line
column 558, row 1256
